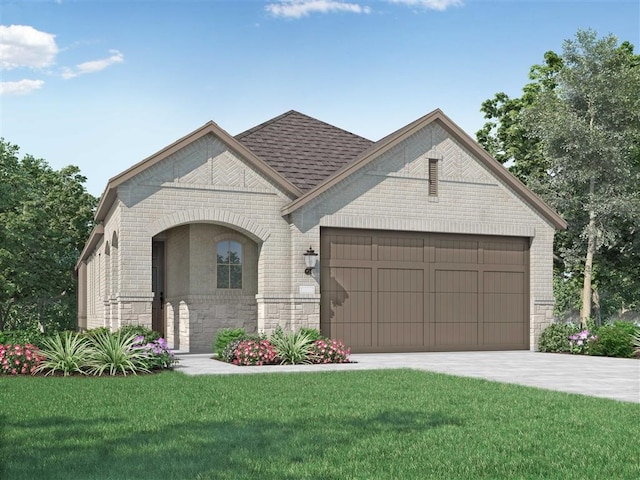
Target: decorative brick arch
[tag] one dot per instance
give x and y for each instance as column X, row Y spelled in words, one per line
column 210, row 215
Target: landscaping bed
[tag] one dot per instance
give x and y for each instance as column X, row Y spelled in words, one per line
column 615, row 339
column 305, row 346
column 130, row 351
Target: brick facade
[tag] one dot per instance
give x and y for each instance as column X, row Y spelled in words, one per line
column 206, row 191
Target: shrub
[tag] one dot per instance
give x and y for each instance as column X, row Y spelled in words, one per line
column 229, row 352
column 115, row 354
column 254, row 352
column 31, row 336
column 555, row 338
column 225, row 336
column 16, row 359
column 157, row 354
column 580, row 342
column 138, row 330
column 612, row 341
column 95, row 331
column 66, row 352
column 629, row 327
column 329, row 351
column 313, row 333
column 292, row 347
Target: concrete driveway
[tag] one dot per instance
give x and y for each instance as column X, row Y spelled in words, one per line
column 614, row 378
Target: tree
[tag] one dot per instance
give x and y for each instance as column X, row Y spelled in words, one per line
column 505, row 136
column 46, row 215
column 573, row 138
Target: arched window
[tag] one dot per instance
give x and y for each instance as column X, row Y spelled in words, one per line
column 229, row 271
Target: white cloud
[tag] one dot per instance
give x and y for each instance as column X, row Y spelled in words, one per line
column 21, row 87
column 94, row 65
column 439, row 5
column 24, row 46
column 303, row 8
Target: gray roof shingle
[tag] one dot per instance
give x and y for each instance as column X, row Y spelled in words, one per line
column 302, row 149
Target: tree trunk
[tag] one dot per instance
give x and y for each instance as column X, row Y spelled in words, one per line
column 4, row 312
column 585, row 312
column 596, row 306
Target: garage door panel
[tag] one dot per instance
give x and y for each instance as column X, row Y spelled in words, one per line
column 512, row 333
column 401, row 249
column 401, row 335
column 503, row 307
column 454, row 333
column 456, row 307
column 351, row 247
column 505, row 253
column 456, row 281
column 400, row 307
column 503, row 282
column 355, row 308
column 400, row 280
column 354, row 335
column 347, row 279
column 456, row 251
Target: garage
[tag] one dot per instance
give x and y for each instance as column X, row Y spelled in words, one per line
column 387, row 291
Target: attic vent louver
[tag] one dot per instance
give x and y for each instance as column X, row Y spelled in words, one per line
column 433, row 177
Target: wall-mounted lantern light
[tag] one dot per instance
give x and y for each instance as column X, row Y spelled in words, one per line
column 310, row 259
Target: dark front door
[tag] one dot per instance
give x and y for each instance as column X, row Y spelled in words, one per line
column 157, row 285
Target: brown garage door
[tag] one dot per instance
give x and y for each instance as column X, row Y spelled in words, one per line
column 404, row 291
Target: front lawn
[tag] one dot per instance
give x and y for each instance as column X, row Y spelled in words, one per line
column 333, row 425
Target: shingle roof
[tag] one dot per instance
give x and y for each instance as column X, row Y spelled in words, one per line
column 302, row 149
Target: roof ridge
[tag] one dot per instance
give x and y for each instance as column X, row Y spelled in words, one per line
column 264, row 124
column 290, row 112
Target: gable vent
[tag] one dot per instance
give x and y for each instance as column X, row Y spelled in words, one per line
column 433, row 177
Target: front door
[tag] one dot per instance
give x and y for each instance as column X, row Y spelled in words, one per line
column 157, row 285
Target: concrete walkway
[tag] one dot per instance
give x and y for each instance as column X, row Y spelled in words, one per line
column 614, row 378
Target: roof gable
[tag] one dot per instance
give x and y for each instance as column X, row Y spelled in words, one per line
column 302, row 149
column 110, row 192
column 385, row 144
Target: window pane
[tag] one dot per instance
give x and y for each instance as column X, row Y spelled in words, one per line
column 223, row 252
column 235, row 253
column 223, row 276
column 235, row 273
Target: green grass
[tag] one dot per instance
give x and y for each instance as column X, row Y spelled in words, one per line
column 399, row 424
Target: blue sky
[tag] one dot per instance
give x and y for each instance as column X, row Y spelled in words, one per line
column 104, row 84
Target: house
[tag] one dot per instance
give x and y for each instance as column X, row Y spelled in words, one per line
column 425, row 242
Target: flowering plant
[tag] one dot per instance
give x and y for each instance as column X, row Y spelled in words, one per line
column 19, row 359
column 254, row 352
column 329, row 351
column 579, row 343
column 156, row 353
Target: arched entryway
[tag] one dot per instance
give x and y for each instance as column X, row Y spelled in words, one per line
column 205, row 278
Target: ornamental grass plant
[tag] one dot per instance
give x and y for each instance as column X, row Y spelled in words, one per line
column 116, row 354
column 292, row 347
column 65, row 353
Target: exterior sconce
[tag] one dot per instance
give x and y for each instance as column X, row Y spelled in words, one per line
column 310, row 259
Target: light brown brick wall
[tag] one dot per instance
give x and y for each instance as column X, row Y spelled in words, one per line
column 208, row 187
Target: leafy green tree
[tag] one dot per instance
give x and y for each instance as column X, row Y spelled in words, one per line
column 505, row 136
column 46, row 216
column 574, row 138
